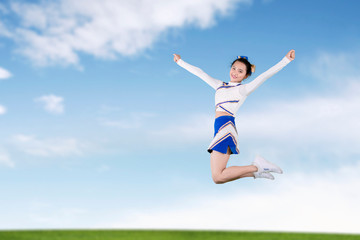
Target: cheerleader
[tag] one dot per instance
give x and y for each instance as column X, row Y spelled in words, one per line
column 229, row 96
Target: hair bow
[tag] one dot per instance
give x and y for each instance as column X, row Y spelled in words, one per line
column 245, row 57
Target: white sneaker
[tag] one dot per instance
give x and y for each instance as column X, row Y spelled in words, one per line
column 263, row 175
column 265, row 166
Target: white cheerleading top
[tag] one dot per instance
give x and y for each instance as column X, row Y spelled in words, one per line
column 230, row 96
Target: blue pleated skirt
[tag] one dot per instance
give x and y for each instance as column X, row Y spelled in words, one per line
column 225, row 136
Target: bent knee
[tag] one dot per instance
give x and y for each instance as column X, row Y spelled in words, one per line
column 218, row 179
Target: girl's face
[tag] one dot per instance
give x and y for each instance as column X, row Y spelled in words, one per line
column 238, row 72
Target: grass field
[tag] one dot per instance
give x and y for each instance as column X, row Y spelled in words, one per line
column 159, row 235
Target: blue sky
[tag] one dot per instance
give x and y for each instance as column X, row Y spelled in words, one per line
column 99, row 128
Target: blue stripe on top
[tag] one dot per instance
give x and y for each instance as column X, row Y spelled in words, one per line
column 226, row 110
column 231, row 101
column 220, row 105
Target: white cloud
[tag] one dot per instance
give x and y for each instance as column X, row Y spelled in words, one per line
column 308, row 120
column 48, row 147
column 333, row 68
column 152, row 130
column 51, row 214
column 133, row 120
column 322, row 123
column 3, row 30
column 5, row 159
column 3, row 9
column 2, row 110
column 56, row 32
column 185, row 130
column 4, row 73
column 52, row 104
column 324, row 202
column 103, row 168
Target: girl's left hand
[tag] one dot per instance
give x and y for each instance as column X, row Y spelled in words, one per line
column 176, row 57
column 291, row 55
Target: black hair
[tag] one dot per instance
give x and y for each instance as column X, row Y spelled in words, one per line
column 247, row 64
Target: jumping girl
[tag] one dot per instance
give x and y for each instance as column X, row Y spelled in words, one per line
column 228, row 99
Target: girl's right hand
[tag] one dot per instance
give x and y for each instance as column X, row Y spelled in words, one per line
column 291, row 55
column 176, row 58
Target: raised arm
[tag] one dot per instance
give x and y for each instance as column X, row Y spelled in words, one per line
column 250, row 87
column 214, row 83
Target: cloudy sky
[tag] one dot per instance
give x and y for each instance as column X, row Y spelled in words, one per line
column 99, row 128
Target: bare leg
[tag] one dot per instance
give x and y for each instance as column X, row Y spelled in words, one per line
column 221, row 174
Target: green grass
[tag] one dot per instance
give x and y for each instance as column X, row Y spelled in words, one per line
column 159, row 235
